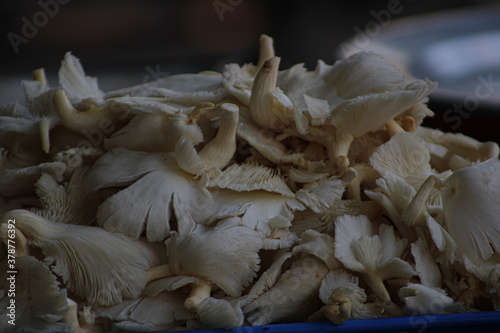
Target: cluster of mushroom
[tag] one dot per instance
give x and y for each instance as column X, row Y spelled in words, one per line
column 247, row 197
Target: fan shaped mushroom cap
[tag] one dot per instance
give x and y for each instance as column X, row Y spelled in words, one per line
column 76, row 84
column 404, row 155
column 470, row 199
column 251, row 177
column 421, row 300
column 320, row 245
column 227, row 255
column 96, row 265
column 293, row 295
column 145, row 205
column 69, row 203
column 375, row 256
column 220, row 313
column 425, row 265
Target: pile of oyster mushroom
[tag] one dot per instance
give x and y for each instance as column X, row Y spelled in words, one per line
column 247, row 197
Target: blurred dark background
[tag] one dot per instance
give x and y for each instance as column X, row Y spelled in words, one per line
column 128, row 42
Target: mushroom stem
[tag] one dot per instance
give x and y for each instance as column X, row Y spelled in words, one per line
column 201, row 290
column 39, row 75
column 377, row 286
column 338, row 151
column 92, row 118
column 338, row 310
column 266, row 50
column 363, row 174
column 21, row 243
column 413, row 213
column 44, row 126
column 203, row 112
column 261, row 99
column 219, row 151
column 159, row 272
column 409, row 124
column 393, row 127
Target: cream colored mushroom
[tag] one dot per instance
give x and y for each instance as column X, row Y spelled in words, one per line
column 208, row 254
column 93, row 117
column 157, row 181
column 376, row 257
column 90, row 260
column 291, row 296
column 343, row 298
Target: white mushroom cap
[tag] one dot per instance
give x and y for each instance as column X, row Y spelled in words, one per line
column 227, row 255
column 404, row 155
column 67, row 203
column 422, row 300
column 425, row 265
column 220, row 313
column 292, row 296
column 375, row 256
column 320, row 245
column 99, row 266
column 471, row 197
column 76, row 85
column 259, row 210
column 162, row 188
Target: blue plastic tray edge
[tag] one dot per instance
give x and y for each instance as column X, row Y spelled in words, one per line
column 422, row 323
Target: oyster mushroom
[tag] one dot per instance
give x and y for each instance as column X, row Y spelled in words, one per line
column 260, row 196
column 420, row 299
column 293, row 296
column 76, row 85
column 161, row 311
column 160, row 132
column 470, row 197
column 69, row 203
column 320, row 245
column 343, row 298
column 92, row 117
column 456, row 147
column 21, row 181
column 37, row 118
column 376, row 257
column 160, row 189
column 208, row 254
column 91, row 261
column 407, row 210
